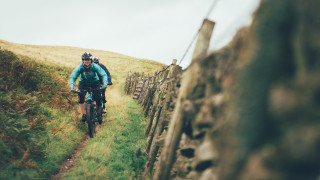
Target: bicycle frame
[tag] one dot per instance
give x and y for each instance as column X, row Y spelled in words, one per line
column 91, row 102
column 91, row 113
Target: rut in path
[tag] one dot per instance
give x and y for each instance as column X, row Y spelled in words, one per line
column 71, row 160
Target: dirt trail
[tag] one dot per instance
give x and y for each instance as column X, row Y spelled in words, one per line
column 72, row 159
column 70, row 162
column 113, row 96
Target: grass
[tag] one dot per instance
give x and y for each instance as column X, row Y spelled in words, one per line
column 116, row 151
column 118, row 64
column 39, row 116
column 66, row 134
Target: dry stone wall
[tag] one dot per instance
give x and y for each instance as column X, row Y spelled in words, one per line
column 247, row 111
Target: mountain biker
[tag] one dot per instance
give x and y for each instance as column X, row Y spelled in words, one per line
column 88, row 72
column 96, row 60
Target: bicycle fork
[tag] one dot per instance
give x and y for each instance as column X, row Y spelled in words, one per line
column 93, row 109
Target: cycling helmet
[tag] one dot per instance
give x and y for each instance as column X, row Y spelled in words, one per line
column 86, row 55
column 96, row 60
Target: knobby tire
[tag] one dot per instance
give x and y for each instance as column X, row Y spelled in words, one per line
column 90, row 119
column 100, row 118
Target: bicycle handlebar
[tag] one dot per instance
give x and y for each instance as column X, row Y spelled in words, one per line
column 89, row 90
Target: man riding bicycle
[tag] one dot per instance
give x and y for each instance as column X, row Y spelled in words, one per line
column 103, row 92
column 89, row 72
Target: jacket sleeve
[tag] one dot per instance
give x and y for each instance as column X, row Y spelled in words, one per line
column 74, row 75
column 106, row 70
column 102, row 74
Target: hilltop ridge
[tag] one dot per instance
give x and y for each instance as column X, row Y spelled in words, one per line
column 118, row 64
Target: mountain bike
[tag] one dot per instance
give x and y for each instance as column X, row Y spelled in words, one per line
column 91, row 113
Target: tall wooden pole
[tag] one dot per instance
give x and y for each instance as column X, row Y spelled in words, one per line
column 177, row 123
column 203, row 41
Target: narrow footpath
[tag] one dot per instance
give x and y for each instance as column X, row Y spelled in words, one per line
column 71, row 160
column 68, row 164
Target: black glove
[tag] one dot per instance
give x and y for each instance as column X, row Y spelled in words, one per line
column 73, row 90
column 103, row 87
column 109, row 83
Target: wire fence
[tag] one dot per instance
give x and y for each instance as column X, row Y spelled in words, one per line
column 195, row 36
column 213, row 5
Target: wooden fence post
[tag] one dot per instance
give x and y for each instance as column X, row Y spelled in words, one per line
column 189, row 82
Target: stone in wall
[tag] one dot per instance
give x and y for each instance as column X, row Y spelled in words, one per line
column 272, row 129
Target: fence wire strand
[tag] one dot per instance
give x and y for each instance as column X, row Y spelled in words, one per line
column 193, row 39
column 195, row 36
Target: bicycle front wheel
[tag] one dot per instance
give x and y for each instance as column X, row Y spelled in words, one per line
column 90, row 119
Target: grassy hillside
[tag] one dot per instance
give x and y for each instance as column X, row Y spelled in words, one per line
column 119, row 65
column 40, row 118
column 36, row 116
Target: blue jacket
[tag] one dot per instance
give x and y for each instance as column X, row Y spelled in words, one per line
column 108, row 73
column 88, row 77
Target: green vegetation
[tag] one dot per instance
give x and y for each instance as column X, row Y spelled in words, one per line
column 35, row 108
column 116, row 151
column 39, row 125
column 119, row 65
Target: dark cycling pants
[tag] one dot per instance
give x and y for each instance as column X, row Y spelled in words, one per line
column 96, row 94
column 103, row 96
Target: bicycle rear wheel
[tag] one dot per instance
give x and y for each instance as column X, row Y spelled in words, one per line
column 99, row 115
column 90, row 119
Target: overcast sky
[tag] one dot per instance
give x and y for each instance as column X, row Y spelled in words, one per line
column 156, row 30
